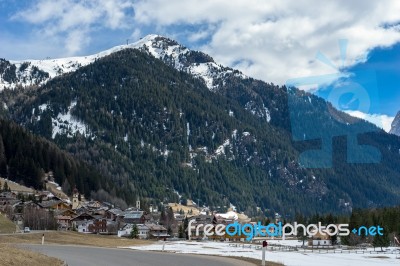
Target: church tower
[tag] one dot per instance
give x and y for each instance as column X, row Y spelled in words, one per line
column 137, row 203
column 75, row 199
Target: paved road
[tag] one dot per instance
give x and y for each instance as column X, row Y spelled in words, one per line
column 31, row 232
column 93, row 256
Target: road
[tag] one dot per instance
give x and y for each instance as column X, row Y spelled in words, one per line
column 94, row 256
column 31, row 232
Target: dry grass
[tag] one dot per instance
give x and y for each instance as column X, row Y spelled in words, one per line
column 17, row 256
column 6, row 226
column 15, row 186
column 72, row 238
column 53, row 189
column 177, row 207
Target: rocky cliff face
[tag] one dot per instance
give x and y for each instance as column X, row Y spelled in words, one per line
column 396, row 125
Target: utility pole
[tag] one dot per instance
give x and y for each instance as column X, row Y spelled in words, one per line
column 127, row 41
column 264, row 248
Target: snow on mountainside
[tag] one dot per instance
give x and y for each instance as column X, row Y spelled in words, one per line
column 395, row 127
column 37, row 72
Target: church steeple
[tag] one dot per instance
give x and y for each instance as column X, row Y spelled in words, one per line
column 75, row 198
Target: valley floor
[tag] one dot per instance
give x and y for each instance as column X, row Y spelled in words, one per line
column 288, row 258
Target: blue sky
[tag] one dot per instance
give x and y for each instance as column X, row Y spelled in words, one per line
column 386, row 64
column 273, row 41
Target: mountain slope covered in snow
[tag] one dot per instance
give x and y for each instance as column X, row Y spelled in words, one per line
column 37, row 72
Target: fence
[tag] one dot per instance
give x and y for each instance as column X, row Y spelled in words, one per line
column 331, row 250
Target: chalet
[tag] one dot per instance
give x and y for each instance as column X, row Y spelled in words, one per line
column 320, row 240
column 64, row 222
column 7, row 194
column 8, row 199
column 125, row 231
column 179, row 218
column 82, row 217
column 98, row 226
column 98, row 212
column 108, row 205
column 46, row 195
column 65, row 212
column 157, row 231
column 134, row 217
column 143, row 231
column 54, row 204
column 149, row 218
column 203, row 219
column 81, row 222
column 31, row 205
column 83, row 226
column 94, row 204
column 113, row 213
column 227, row 218
column 81, row 210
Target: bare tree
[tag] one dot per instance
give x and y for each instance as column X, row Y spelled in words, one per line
column 39, row 219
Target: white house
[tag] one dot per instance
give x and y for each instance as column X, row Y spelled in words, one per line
column 320, row 239
column 321, row 242
column 83, row 227
column 143, row 231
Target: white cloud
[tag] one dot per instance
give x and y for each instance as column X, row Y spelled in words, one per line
column 76, row 39
column 17, row 48
column 199, row 35
column 382, row 121
column 272, row 40
column 75, row 21
column 278, row 40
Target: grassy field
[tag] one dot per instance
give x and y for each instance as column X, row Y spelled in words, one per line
column 6, row 226
column 177, row 207
column 72, row 238
column 11, row 255
column 17, row 256
column 14, row 186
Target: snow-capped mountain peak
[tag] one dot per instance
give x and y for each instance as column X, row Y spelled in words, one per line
column 37, row 72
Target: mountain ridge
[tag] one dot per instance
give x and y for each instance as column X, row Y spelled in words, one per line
column 155, row 130
column 25, row 72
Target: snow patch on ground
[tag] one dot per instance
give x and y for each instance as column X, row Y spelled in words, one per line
column 68, row 125
column 203, row 71
column 43, row 107
column 221, row 149
column 288, row 258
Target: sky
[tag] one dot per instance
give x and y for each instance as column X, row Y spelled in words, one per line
column 274, row 40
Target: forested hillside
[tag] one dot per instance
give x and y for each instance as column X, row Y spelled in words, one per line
column 156, row 132
column 26, row 158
